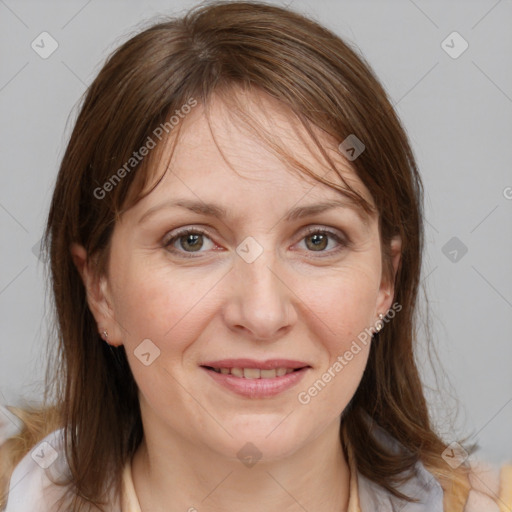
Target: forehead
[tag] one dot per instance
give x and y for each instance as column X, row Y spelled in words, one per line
column 218, row 154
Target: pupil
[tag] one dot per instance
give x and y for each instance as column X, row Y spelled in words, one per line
column 319, row 241
column 194, row 239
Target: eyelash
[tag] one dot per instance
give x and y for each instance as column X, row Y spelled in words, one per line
column 342, row 242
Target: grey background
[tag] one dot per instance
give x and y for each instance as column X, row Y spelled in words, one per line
column 458, row 114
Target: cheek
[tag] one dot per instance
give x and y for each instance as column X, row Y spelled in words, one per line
column 343, row 302
column 344, row 308
column 152, row 301
column 169, row 310
column 342, row 313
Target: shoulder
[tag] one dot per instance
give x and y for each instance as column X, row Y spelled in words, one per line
column 30, row 486
column 476, row 487
column 10, row 427
column 490, row 487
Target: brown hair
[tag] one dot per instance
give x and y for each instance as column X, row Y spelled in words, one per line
column 325, row 84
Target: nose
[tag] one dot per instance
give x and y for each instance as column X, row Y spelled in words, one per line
column 260, row 304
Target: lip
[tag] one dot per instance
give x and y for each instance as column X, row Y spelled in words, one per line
column 269, row 364
column 257, row 388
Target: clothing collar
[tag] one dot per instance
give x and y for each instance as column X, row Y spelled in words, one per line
column 370, row 496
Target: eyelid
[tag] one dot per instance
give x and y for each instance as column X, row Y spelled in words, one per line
column 331, row 231
column 182, row 232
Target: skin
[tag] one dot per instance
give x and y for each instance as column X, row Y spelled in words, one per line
column 295, row 301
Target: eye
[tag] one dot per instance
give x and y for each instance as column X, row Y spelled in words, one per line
column 192, row 240
column 317, row 240
column 188, row 240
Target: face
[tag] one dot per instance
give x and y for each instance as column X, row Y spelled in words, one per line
column 186, row 287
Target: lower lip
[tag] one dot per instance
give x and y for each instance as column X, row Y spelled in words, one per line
column 257, row 388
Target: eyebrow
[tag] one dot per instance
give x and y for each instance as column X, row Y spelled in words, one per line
column 217, row 211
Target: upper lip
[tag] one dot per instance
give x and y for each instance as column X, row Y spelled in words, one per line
column 269, row 364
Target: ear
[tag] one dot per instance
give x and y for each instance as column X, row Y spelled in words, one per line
column 387, row 286
column 98, row 295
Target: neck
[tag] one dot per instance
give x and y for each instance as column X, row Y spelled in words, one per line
column 177, row 475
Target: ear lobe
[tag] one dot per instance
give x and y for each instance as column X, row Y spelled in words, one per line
column 97, row 294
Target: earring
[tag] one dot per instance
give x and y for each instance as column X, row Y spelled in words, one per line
column 105, row 335
column 380, row 325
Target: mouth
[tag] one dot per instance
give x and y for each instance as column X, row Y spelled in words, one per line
column 256, row 379
column 254, row 373
column 245, row 368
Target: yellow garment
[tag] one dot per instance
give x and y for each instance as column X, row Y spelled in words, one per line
column 491, row 490
column 505, row 501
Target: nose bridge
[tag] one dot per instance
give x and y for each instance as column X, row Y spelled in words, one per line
column 261, row 302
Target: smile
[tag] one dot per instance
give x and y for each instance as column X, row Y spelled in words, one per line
column 254, row 373
column 255, row 382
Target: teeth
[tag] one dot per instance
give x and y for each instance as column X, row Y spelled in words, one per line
column 254, row 373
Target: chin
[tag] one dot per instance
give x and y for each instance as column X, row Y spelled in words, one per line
column 264, row 441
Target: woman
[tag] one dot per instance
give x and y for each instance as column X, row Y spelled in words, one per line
column 235, row 243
